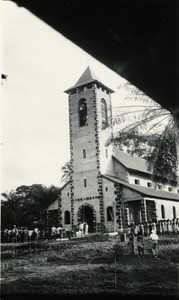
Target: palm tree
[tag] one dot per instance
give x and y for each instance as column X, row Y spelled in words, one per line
column 66, row 172
column 147, row 117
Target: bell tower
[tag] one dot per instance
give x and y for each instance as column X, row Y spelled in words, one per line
column 90, row 123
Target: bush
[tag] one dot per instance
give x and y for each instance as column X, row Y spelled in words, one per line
column 118, row 250
column 7, row 254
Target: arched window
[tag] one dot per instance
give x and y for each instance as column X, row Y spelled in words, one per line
column 82, row 112
column 174, row 212
column 163, row 211
column 67, row 217
column 110, row 213
column 104, row 113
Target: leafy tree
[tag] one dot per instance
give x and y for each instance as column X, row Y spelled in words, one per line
column 135, row 143
column 42, row 197
column 27, row 205
column 148, row 118
column 9, row 210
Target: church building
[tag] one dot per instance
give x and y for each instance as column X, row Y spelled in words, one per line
column 108, row 188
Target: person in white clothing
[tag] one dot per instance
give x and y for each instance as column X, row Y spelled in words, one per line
column 86, row 229
column 154, row 243
column 54, row 231
column 81, row 228
column 36, row 234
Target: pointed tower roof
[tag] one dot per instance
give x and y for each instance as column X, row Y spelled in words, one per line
column 88, row 77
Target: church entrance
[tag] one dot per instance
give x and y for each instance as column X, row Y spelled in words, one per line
column 86, row 214
column 135, row 211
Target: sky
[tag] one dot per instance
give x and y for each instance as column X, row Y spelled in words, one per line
column 40, row 64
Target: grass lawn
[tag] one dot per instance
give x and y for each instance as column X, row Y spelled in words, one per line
column 87, row 266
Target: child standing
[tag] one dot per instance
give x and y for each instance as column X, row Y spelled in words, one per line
column 130, row 244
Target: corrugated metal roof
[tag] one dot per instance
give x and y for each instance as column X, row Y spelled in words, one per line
column 131, row 162
column 145, row 191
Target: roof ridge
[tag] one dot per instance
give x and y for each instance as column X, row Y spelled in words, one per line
column 128, row 154
column 131, row 162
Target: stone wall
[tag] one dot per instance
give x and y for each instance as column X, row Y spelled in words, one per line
column 120, row 171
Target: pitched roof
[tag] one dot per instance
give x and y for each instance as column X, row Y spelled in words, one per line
column 145, row 191
column 131, row 162
column 88, row 77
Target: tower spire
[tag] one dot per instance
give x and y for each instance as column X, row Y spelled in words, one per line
column 88, row 77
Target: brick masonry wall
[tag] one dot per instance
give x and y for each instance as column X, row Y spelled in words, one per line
column 65, row 202
column 113, row 197
column 133, row 208
column 128, row 195
column 120, row 171
column 93, row 139
column 109, row 200
column 83, row 138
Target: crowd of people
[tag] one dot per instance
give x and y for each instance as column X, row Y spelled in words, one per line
column 152, row 230
column 162, row 227
column 23, row 234
column 141, row 245
column 60, row 232
column 82, row 229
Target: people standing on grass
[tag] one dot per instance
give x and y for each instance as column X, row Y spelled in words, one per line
column 165, row 227
column 25, row 234
column 15, row 234
column 54, row 231
column 162, row 227
column 130, row 244
column 146, row 228
column 154, row 225
column 177, row 225
column 141, row 228
column 150, row 226
column 132, row 228
column 59, row 232
column 158, row 227
column 168, row 227
column 36, row 231
column 140, row 243
column 30, row 235
column 81, row 229
column 154, row 243
column 86, row 230
column 174, row 231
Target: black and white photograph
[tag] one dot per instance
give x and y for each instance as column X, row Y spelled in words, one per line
column 89, row 149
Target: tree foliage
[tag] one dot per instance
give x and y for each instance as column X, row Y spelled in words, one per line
column 66, row 171
column 26, row 206
column 136, row 144
column 147, row 119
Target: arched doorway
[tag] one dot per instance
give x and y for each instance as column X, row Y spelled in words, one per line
column 86, row 214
